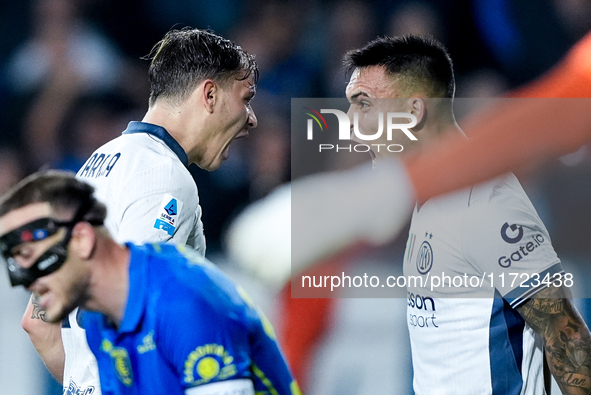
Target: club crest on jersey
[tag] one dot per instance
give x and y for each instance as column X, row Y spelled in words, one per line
column 121, row 362
column 424, row 258
column 168, row 213
column 208, row 362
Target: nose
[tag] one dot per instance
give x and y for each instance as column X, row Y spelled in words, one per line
column 252, row 119
column 350, row 113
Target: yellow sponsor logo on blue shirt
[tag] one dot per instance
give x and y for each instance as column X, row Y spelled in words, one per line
column 121, row 362
column 208, row 362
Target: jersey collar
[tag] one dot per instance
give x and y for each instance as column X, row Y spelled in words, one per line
column 162, row 134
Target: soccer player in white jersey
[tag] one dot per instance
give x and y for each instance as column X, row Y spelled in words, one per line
column 201, row 89
column 484, row 337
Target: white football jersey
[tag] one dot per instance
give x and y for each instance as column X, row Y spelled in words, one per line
column 143, row 179
column 150, row 195
column 471, row 258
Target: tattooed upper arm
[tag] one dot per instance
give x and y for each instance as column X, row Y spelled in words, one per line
column 567, row 341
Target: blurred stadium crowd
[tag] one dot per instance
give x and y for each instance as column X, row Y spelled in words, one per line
column 72, row 77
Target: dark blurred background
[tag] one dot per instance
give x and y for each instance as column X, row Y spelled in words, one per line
column 72, row 77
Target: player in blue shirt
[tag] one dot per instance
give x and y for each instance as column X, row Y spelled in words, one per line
column 164, row 320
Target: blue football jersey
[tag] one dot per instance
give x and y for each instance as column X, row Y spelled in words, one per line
column 186, row 324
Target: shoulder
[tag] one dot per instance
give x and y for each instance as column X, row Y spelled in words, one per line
column 502, row 229
column 499, row 214
column 186, row 280
column 501, row 197
column 137, row 154
column 135, row 166
column 498, row 208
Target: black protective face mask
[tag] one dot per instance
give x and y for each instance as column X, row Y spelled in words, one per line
column 47, row 263
column 51, row 260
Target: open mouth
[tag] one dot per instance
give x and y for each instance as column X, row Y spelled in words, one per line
column 373, row 157
column 241, row 135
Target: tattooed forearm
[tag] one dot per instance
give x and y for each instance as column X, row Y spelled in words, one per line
column 567, row 340
column 38, row 311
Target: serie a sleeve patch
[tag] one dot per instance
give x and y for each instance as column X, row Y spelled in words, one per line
column 168, row 214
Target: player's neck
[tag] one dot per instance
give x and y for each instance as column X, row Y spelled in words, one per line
column 109, row 285
column 183, row 125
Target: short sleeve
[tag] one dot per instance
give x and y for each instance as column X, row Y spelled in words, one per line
column 226, row 341
column 505, row 240
column 161, row 205
column 203, row 345
column 270, row 371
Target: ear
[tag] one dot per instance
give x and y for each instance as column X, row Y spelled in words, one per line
column 210, row 94
column 418, row 109
column 83, row 240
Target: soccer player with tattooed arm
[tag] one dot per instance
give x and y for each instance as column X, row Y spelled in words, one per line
column 201, row 87
column 159, row 318
column 489, row 340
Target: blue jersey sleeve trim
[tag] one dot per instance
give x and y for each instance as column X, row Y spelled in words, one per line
column 533, row 285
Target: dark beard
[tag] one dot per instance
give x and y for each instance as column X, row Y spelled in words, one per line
column 80, row 290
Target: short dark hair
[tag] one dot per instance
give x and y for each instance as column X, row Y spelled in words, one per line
column 422, row 60
column 185, row 57
column 61, row 189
